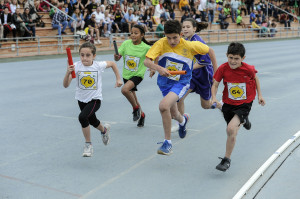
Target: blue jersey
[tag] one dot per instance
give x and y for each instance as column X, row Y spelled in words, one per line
column 201, row 59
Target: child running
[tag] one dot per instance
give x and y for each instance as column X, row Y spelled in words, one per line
column 204, row 68
column 240, row 85
column 89, row 92
column 174, row 53
column 133, row 52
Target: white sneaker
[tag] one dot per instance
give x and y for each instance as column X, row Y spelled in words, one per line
column 99, row 42
column 88, row 150
column 105, row 135
column 96, row 42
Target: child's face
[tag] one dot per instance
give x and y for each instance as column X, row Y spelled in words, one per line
column 173, row 39
column 136, row 35
column 86, row 56
column 187, row 29
column 235, row 61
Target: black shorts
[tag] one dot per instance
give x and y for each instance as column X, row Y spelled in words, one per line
column 136, row 80
column 242, row 111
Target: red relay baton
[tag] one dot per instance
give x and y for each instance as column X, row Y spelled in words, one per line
column 70, row 60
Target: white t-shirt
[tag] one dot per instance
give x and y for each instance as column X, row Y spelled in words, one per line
column 89, row 81
column 99, row 16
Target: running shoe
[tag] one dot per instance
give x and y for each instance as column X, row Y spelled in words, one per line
column 182, row 129
column 165, row 149
column 88, row 150
column 141, row 121
column 136, row 114
column 247, row 124
column 105, row 134
column 224, row 164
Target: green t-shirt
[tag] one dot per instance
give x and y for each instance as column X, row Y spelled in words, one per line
column 239, row 19
column 133, row 57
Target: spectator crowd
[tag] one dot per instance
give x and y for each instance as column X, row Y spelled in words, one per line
column 100, row 18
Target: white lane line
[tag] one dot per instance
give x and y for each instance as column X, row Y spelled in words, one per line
column 243, row 191
column 113, row 122
column 140, row 163
column 39, row 185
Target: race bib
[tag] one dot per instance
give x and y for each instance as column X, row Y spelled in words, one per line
column 173, row 66
column 88, row 80
column 132, row 63
column 237, row 91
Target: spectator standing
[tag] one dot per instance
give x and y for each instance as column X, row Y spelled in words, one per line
column 250, row 5
column 234, row 6
column 211, row 7
column 202, row 8
column 92, row 7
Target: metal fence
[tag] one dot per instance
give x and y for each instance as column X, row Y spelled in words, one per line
column 56, row 44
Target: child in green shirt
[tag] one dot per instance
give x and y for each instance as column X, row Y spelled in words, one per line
column 133, row 52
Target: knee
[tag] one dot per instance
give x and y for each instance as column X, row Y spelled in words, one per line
column 163, row 107
column 83, row 120
column 205, row 106
column 125, row 91
column 231, row 131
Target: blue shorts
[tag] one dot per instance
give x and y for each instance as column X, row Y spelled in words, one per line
column 202, row 80
column 178, row 88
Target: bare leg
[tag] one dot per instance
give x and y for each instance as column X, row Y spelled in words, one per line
column 87, row 133
column 167, row 104
column 232, row 130
column 100, row 128
column 126, row 91
column 180, row 104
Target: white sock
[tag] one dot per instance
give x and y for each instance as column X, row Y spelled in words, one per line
column 183, row 121
column 169, row 141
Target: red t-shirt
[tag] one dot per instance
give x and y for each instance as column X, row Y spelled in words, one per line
column 239, row 83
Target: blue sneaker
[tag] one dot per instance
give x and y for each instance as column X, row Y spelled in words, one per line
column 182, row 129
column 165, row 149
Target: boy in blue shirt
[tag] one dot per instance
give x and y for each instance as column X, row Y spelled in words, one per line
column 173, row 54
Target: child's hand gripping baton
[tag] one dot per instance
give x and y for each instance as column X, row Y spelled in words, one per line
column 70, row 60
column 178, row 72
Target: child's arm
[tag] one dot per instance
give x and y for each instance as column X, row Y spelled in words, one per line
column 261, row 100
column 214, row 90
column 162, row 71
column 113, row 65
column 213, row 59
column 68, row 76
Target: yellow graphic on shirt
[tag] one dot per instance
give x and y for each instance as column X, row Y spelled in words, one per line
column 237, row 91
column 88, row 80
column 132, row 63
column 174, row 66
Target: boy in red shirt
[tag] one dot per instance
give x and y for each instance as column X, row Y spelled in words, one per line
column 240, row 85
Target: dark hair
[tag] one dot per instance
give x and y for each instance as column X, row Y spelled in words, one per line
column 172, row 26
column 236, row 48
column 199, row 25
column 142, row 30
column 88, row 45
